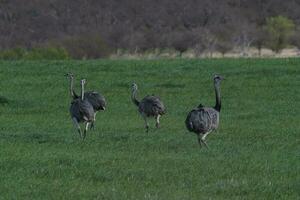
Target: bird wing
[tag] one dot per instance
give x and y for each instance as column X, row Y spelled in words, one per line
column 86, row 110
column 74, row 109
column 96, row 99
column 214, row 116
column 153, row 105
column 199, row 121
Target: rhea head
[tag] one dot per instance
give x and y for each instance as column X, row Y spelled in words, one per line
column 218, row 79
column 134, row 87
column 83, row 81
column 69, row 75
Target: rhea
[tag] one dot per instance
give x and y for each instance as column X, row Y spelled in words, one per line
column 149, row 106
column 203, row 120
column 95, row 98
column 82, row 111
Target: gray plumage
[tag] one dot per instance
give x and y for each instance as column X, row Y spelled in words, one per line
column 82, row 111
column 202, row 120
column 96, row 99
column 149, row 106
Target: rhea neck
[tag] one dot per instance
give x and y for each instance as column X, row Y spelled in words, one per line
column 218, row 96
column 82, row 91
column 71, row 86
column 133, row 97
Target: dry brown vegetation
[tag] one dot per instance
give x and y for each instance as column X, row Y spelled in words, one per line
column 94, row 29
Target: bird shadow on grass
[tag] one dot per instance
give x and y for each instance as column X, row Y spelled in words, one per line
column 270, row 72
column 33, row 138
column 113, row 136
column 119, row 138
column 134, row 134
column 123, row 85
column 170, row 85
column 3, row 100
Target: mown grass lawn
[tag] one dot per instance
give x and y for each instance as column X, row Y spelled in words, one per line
column 254, row 155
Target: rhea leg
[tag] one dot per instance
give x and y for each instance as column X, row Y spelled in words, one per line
column 199, row 141
column 157, row 121
column 85, row 130
column 206, row 134
column 92, row 126
column 202, row 141
column 146, row 122
column 77, row 126
column 92, row 123
column 203, row 138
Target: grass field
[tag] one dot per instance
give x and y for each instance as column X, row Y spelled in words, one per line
column 254, row 155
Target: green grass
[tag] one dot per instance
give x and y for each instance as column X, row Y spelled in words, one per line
column 254, row 155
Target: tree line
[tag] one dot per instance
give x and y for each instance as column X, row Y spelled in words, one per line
column 94, row 29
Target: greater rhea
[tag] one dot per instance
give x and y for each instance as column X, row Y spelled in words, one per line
column 96, row 99
column 82, row 111
column 149, row 106
column 202, row 120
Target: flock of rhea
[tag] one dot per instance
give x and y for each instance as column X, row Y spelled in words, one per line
column 201, row 120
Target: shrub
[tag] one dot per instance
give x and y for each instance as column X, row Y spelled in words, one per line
column 87, row 46
column 12, row 54
column 39, row 53
column 280, row 30
column 46, row 53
